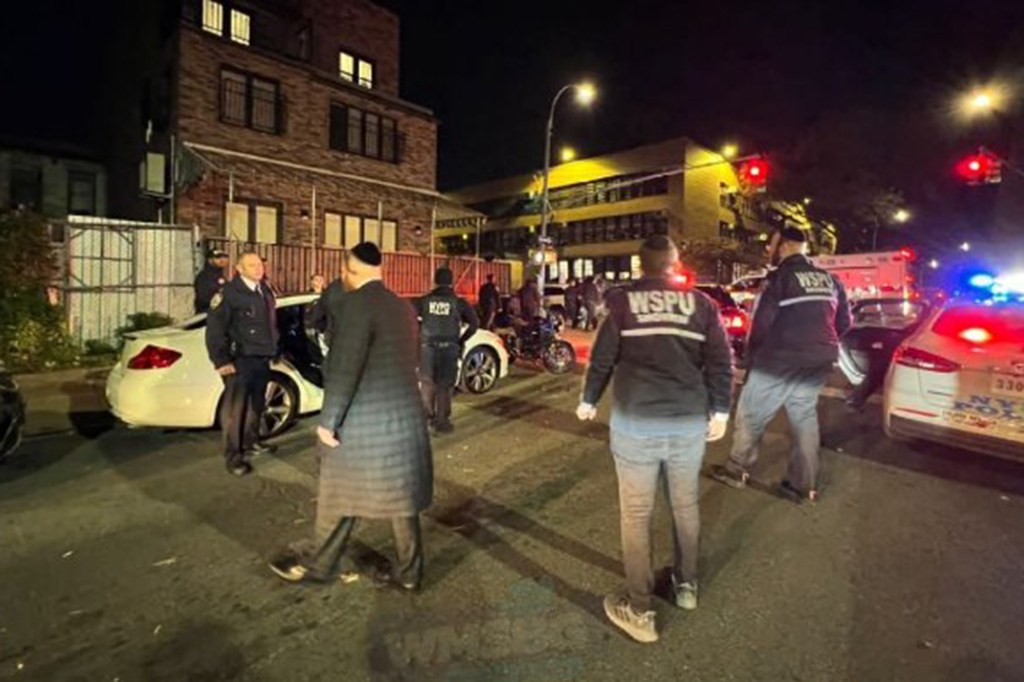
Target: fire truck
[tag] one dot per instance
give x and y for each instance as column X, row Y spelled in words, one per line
column 883, row 274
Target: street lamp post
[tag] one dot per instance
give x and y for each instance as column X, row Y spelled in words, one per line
column 585, row 94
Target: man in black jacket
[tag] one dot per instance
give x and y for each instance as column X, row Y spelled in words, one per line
column 794, row 340
column 490, row 301
column 672, row 363
column 442, row 315
column 241, row 339
column 210, row 280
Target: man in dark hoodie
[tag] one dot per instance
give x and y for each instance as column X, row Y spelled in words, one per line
column 442, row 315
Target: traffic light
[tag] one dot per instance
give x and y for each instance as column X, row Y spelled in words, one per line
column 979, row 168
column 753, row 174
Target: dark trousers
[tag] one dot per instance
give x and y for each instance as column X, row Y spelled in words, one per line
column 325, row 563
column 489, row 313
column 241, row 409
column 439, row 368
column 878, row 367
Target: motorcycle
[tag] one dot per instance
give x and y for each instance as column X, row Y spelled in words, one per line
column 12, row 414
column 538, row 341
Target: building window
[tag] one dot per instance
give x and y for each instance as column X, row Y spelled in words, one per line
column 250, row 101
column 81, row 193
column 355, row 69
column 361, row 132
column 27, row 188
column 346, row 231
column 240, row 25
column 213, row 17
column 253, row 221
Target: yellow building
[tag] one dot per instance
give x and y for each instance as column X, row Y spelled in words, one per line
column 603, row 207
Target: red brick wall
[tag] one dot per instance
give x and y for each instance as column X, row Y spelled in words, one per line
column 364, row 29
column 307, row 96
column 204, row 203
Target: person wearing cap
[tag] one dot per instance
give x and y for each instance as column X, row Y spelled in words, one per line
column 375, row 456
column 210, row 280
column 446, row 323
column 794, row 340
column 241, row 339
column 668, row 352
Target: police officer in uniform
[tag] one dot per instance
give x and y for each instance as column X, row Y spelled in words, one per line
column 442, row 315
column 241, row 339
column 672, row 364
column 210, row 279
column 794, row 340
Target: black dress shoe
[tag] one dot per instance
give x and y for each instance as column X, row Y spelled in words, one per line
column 260, row 449
column 239, row 468
column 795, row 495
column 444, row 428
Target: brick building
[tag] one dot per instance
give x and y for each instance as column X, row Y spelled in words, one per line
column 280, row 121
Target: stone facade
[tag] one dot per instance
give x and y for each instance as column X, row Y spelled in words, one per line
column 283, row 168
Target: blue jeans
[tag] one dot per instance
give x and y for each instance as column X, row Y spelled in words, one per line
column 764, row 393
column 639, row 463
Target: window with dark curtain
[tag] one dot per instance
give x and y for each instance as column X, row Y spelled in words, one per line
column 338, row 133
column 81, row 193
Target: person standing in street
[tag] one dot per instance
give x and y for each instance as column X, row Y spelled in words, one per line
column 672, row 364
column 375, row 457
column 241, row 339
column 572, row 301
column 591, row 296
column 490, row 300
column 794, row 340
column 210, row 280
column 531, row 301
column 442, row 315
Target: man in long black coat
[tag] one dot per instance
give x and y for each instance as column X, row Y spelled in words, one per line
column 375, row 451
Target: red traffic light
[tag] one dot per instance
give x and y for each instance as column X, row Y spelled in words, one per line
column 754, row 173
column 979, row 168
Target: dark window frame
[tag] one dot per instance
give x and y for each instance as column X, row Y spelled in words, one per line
column 249, row 77
column 344, row 120
column 37, row 184
column 79, row 175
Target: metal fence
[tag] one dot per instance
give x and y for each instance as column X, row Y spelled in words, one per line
column 290, row 267
column 112, row 269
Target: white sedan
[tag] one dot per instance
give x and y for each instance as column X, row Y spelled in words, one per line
column 959, row 379
column 165, row 378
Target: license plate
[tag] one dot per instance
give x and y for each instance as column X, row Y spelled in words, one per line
column 1008, row 384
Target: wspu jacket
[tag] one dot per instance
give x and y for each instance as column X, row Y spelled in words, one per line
column 668, row 351
column 442, row 314
column 799, row 316
column 241, row 323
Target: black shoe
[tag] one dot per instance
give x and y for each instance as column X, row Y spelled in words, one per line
column 239, row 468
column 724, row 474
column 795, row 495
column 853, row 405
column 444, row 428
column 260, row 449
column 384, row 580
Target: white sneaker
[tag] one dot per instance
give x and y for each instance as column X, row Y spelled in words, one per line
column 686, row 594
column 639, row 626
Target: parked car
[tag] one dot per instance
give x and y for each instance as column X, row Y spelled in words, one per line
column 745, row 289
column 959, row 379
column 12, row 414
column 734, row 318
column 879, row 326
column 554, row 303
column 165, row 378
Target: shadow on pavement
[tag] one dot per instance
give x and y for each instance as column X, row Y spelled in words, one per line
column 197, row 651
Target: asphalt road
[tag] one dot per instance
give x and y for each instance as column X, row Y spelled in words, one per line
column 132, row 555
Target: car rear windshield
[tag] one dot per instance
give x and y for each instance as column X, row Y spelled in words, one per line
column 1004, row 322
column 719, row 295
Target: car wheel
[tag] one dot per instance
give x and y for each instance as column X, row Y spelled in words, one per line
column 480, row 370
column 282, row 406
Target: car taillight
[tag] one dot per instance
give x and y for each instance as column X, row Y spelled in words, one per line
column 154, row 357
column 976, row 335
column 909, row 356
column 735, row 322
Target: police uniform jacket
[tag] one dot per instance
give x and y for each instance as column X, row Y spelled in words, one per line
column 798, row 318
column 667, row 349
column 242, row 323
column 208, row 283
column 442, row 315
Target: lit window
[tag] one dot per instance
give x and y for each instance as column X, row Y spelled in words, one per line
column 365, row 74
column 240, row 27
column 347, row 66
column 213, row 17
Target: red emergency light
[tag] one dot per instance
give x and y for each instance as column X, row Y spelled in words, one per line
column 979, row 168
column 753, row 173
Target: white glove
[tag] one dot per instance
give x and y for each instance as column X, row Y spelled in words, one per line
column 586, row 412
column 717, row 426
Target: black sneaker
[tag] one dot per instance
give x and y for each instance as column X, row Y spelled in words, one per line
column 444, row 428
column 797, row 496
column 239, row 468
column 724, row 474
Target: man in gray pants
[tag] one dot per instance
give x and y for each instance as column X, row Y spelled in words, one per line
column 794, row 340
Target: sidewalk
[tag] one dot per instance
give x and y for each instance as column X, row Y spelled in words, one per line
column 65, row 400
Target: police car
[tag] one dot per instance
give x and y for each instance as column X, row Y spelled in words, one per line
column 165, row 378
column 959, row 379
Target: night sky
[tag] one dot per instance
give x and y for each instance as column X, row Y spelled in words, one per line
column 760, row 73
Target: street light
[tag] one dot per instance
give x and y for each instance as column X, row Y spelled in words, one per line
column 933, row 264
column 567, row 154
column 965, row 247
column 901, row 216
column 730, row 150
column 585, row 95
column 807, row 201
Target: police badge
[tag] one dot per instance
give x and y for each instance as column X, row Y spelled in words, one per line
column 215, row 301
